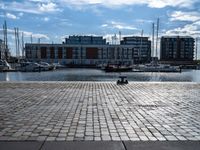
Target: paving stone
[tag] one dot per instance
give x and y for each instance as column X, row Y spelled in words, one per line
column 86, row 111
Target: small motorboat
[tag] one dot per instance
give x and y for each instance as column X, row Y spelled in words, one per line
column 117, row 68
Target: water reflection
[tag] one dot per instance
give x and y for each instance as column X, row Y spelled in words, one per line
column 98, row 75
column 7, row 77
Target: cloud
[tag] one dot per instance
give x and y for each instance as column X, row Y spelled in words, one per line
column 192, row 29
column 118, row 25
column 172, row 3
column 11, row 16
column 185, row 16
column 27, row 34
column 40, row 0
column 119, row 3
column 144, row 21
column 48, row 7
column 52, row 6
column 31, row 7
column 21, row 14
column 104, row 25
column 46, row 19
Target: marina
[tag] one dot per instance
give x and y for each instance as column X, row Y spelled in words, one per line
column 99, row 75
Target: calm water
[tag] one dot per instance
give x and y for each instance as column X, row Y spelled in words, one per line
column 98, row 75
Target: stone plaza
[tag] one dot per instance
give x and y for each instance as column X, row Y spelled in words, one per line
column 99, row 111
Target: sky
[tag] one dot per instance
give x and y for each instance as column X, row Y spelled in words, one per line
column 53, row 20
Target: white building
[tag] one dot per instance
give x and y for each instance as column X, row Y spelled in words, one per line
column 88, row 50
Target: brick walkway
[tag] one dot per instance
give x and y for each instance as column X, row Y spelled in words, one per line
column 86, row 111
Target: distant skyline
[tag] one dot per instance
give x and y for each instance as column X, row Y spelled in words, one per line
column 52, row 20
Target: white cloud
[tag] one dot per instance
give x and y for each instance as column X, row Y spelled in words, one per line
column 192, row 29
column 104, row 25
column 119, row 3
column 172, row 3
column 144, row 21
column 40, row 1
column 118, row 25
column 31, row 7
column 46, row 19
column 48, row 7
column 185, row 16
column 26, row 34
column 21, row 14
column 37, row 35
column 11, row 16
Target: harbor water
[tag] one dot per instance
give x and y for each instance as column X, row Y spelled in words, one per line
column 99, row 75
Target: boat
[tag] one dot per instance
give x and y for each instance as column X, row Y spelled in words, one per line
column 156, row 67
column 31, row 67
column 4, row 65
column 117, row 68
column 159, row 68
column 46, row 66
column 58, row 66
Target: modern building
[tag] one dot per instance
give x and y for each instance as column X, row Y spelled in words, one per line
column 177, row 48
column 91, row 50
column 141, row 47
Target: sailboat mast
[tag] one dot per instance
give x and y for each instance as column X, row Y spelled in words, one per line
column 5, row 42
column 18, row 42
column 120, row 37
column 157, row 37
column 196, row 48
column 153, row 32
column 5, row 35
column 22, row 44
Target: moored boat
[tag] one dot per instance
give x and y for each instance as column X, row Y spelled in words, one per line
column 4, row 65
column 117, row 68
column 156, row 67
column 46, row 66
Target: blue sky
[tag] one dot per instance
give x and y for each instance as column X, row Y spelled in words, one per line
column 52, row 20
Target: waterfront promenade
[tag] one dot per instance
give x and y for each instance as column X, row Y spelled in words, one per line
column 48, row 113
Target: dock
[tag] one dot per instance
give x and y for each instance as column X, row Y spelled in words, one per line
column 104, row 113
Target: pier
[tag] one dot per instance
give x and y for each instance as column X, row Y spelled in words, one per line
column 102, row 112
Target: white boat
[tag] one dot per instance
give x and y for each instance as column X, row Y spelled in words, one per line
column 46, row 66
column 30, row 67
column 4, row 65
column 159, row 68
column 58, row 65
column 117, row 68
column 156, row 67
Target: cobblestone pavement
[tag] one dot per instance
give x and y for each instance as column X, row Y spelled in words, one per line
column 86, row 111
